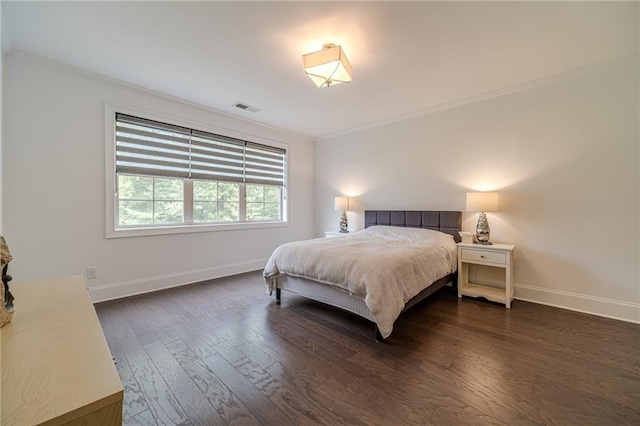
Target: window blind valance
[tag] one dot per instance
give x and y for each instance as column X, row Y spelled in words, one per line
column 152, row 148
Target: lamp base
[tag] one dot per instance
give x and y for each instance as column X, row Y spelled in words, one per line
column 344, row 224
column 484, row 243
column 482, row 230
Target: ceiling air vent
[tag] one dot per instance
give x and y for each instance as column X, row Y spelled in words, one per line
column 246, row 107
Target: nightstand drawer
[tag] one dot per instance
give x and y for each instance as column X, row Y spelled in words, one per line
column 475, row 255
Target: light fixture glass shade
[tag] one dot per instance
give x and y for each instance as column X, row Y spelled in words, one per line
column 341, row 203
column 327, row 67
column 482, row 201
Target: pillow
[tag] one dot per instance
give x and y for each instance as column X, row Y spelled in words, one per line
column 411, row 234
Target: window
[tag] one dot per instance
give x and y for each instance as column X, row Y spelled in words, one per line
column 169, row 176
column 263, row 202
column 216, row 202
column 148, row 200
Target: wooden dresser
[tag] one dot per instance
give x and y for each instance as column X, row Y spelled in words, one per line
column 56, row 366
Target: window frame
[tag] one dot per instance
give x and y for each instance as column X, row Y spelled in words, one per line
column 112, row 231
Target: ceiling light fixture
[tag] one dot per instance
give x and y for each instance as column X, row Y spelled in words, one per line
column 327, row 67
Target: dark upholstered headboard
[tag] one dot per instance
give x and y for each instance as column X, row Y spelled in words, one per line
column 449, row 222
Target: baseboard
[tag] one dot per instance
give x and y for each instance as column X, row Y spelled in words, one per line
column 600, row 306
column 609, row 308
column 119, row 290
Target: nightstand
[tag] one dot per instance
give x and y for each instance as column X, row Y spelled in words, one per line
column 335, row 234
column 497, row 255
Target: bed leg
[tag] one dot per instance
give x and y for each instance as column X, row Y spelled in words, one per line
column 379, row 337
column 278, row 296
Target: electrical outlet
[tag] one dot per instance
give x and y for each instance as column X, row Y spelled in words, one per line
column 92, row 272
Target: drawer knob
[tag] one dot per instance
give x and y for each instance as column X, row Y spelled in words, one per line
column 482, row 256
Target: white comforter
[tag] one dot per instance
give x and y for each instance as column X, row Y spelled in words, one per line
column 388, row 265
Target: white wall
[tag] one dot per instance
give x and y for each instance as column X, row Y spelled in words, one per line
column 1, row 102
column 564, row 156
column 54, row 190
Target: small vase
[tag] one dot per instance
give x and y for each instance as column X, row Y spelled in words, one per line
column 482, row 229
column 344, row 225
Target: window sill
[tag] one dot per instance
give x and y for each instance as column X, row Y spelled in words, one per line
column 187, row 229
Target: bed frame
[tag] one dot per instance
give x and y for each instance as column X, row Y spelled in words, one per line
column 449, row 222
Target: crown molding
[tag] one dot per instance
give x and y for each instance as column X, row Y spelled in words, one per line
column 565, row 75
column 59, row 66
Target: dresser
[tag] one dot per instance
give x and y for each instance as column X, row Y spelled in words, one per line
column 56, row 366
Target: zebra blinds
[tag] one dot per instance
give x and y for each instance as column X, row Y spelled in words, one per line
column 151, row 148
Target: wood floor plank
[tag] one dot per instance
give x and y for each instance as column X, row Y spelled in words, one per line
column 112, row 314
column 364, row 390
column 223, row 400
column 449, row 416
column 143, row 419
column 229, row 353
column 189, row 332
column 294, row 405
column 162, row 403
column 563, row 338
column 134, row 402
column 283, row 394
column 308, row 392
column 448, row 361
column 255, row 353
column 300, row 378
column 160, row 398
column 251, row 394
column 197, row 407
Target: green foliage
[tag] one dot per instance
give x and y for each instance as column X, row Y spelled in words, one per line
column 205, row 211
column 272, row 194
column 135, row 213
column 228, row 212
column 138, row 206
column 148, row 200
column 168, row 189
column 229, row 192
column 255, row 194
column 216, row 202
column 272, row 211
column 135, row 187
column 167, row 212
column 263, row 211
column 205, row 191
column 263, row 202
column 255, row 211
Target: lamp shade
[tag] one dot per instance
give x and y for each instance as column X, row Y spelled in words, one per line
column 342, row 203
column 482, row 201
column 328, row 66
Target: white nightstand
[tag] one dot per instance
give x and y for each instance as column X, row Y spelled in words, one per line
column 335, row 234
column 498, row 255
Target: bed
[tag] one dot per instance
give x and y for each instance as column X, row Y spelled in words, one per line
column 399, row 259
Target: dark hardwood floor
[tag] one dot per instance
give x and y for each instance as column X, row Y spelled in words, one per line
column 222, row 352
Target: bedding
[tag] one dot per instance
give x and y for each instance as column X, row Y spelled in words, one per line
column 387, row 265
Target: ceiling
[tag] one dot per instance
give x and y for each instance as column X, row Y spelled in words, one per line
column 406, row 56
